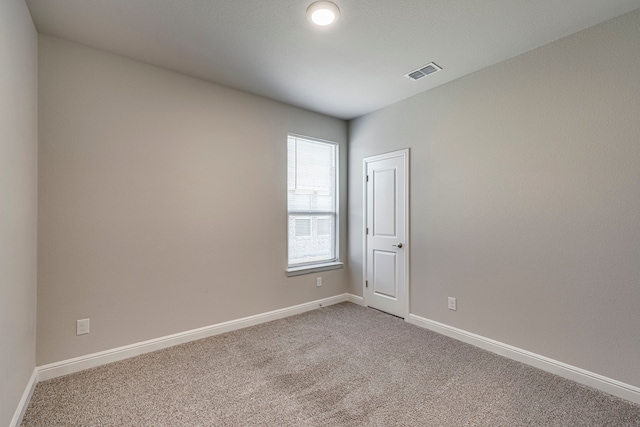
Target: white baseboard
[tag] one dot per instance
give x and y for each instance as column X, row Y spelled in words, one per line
column 355, row 299
column 597, row 381
column 24, row 401
column 81, row 363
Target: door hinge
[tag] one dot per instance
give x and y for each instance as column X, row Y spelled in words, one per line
column 367, row 230
column 366, row 283
column 367, row 178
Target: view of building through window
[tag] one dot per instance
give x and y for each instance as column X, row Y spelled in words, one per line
column 311, row 200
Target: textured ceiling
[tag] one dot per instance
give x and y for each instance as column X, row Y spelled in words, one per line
column 352, row 68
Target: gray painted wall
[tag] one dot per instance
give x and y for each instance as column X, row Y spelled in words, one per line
column 18, row 202
column 162, row 202
column 525, row 199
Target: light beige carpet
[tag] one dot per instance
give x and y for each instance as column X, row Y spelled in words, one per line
column 342, row 365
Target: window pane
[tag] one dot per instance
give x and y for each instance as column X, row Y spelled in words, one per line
column 303, row 227
column 314, row 166
column 311, row 180
column 300, row 202
column 324, row 227
column 324, row 202
column 314, row 246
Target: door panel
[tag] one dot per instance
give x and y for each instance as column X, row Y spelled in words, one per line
column 384, row 273
column 386, row 245
column 384, row 202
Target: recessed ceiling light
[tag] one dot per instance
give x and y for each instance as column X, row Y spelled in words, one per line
column 323, row 13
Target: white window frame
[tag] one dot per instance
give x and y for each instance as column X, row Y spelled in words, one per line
column 325, row 265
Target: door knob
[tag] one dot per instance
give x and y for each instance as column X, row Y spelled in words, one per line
column 399, row 245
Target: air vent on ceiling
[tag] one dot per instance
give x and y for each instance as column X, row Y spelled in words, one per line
column 424, row 71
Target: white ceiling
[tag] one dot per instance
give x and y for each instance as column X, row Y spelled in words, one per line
column 268, row 47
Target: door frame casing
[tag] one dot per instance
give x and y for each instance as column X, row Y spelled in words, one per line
column 404, row 153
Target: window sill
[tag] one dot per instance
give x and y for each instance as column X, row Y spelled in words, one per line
column 314, row 268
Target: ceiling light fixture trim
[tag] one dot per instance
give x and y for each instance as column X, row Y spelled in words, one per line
column 323, row 13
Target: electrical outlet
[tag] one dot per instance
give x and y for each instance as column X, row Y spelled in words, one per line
column 82, row 326
column 318, row 281
column 452, row 304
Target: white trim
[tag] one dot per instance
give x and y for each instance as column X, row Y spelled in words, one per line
column 579, row 375
column 355, row 299
column 81, row 363
column 364, row 232
column 24, row 401
column 314, row 268
column 404, row 153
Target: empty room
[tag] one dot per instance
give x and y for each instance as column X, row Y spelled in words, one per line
column 320, row 213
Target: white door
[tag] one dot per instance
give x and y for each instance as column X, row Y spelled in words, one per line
column 386, row 234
